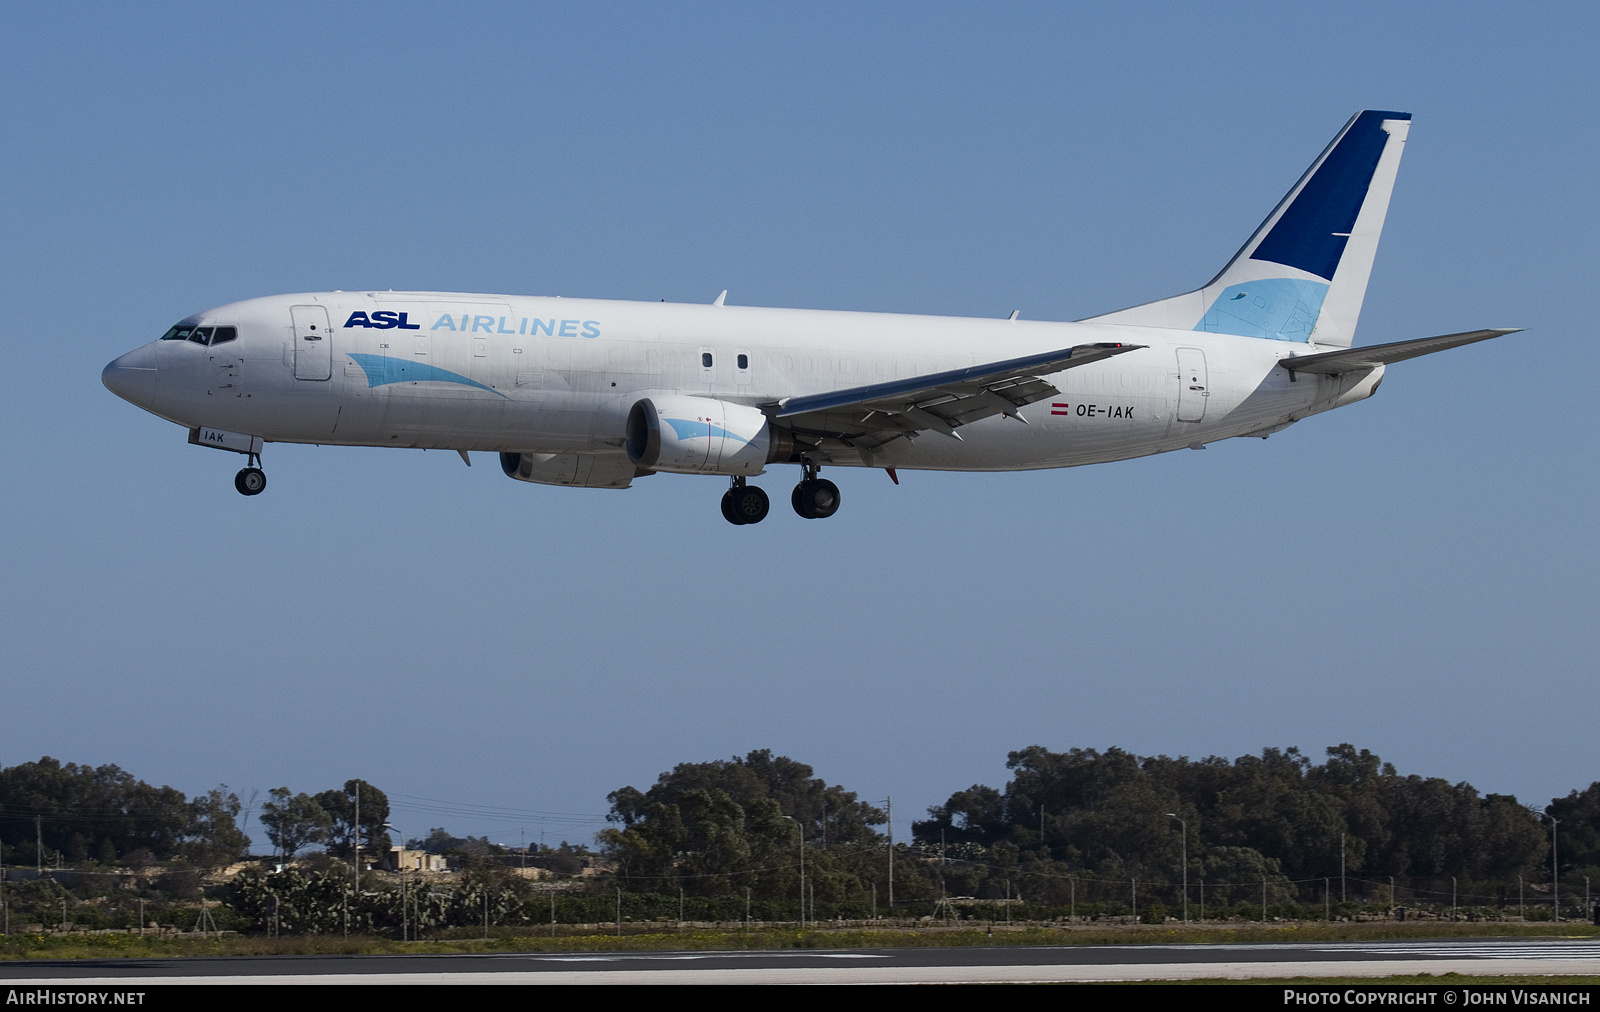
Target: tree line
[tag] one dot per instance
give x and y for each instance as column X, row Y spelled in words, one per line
column 1085, row 825
column 50, row 812
column 1080, row 832
column 1279, row 816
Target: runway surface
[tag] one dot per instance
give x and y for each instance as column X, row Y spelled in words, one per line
column 844, row 966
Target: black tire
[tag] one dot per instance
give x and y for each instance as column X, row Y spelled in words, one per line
column 798, row 499
column 824, row 499
column 816, row 499
column 728, row 512
column 750, row 504
column 250, row 481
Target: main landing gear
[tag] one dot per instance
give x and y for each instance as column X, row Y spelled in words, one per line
column 815, row 498
column 744, row 504
column 251, row 480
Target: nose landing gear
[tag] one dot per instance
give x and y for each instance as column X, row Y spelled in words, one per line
column 815, row 498
column 744, row 504
column 251, row 480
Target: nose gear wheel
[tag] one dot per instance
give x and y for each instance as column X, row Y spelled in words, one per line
column 250, row 481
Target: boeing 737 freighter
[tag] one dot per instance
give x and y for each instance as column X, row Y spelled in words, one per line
column 595, row 393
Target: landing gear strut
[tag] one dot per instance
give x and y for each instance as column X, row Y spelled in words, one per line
column 744, row 504
column 815, row 498
column 251, row 480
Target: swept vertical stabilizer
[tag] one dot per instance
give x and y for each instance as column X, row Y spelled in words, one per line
column 1303, row 274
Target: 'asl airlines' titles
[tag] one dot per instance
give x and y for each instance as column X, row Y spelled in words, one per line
column 531, row 326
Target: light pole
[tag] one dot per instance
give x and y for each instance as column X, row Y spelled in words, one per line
column 355, row 859
column 1185, row 825
column 1555, row 869
column 888, row 802
column 400, row 866
column 356, row 838
column 802, row 833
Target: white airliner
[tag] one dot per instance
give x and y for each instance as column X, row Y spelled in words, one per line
column 597, row 393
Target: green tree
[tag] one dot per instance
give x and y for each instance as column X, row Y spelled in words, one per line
column 294, row 821
column 1579, row 843
column 213, row 836
column 81, row 809
column 718, row 827
column 341, row 807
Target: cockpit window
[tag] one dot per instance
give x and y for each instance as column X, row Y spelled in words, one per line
column 201, row 335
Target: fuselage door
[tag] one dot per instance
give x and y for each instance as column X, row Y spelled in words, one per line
column 313, row 343
column 1193, row 386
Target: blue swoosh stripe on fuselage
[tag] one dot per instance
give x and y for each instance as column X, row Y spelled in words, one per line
column 687, row 429
column 382, row 370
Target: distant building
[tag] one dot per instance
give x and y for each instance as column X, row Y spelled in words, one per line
column 402, row 859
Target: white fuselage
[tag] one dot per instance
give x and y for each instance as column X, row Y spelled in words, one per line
column 557, row 375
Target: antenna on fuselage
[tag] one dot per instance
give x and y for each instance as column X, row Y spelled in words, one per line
column 1014, row 314
column 724, row 295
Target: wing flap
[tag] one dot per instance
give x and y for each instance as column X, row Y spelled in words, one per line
column 1372, row 356
column 873, row 414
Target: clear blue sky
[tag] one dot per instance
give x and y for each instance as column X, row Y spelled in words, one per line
column 1415, row 574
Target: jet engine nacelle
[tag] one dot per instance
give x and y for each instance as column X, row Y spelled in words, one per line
column 698, row 435
column 585, row 470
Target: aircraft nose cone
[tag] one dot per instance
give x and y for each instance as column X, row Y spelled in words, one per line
column 132, row 376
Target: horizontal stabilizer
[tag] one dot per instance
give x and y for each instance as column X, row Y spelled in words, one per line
column 1372, row 356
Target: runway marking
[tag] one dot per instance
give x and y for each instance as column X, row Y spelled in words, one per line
column 1023, row 964
column 868, row 974
column 1503, row 950
column 1480, row 950
column 631, row 956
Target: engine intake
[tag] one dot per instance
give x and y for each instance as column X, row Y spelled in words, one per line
column 699, row 435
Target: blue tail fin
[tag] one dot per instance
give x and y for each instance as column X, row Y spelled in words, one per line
column 1303, row 274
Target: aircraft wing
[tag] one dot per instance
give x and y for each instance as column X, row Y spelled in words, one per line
column 866, row 417
column 1353, row 359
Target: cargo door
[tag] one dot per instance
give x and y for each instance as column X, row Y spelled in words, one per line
column 491, row 350
column 313, row 343
column 528, row 370
column 1193, row 387
column 471, row 343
